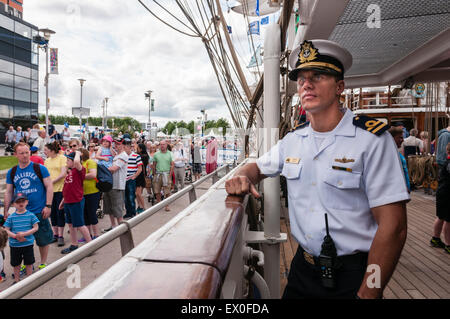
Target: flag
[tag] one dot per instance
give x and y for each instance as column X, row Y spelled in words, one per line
column 253, row 27
column 66, row 124
column 257, row 8
column 153, row 105
column 265, row 20
column 256, row 58
column 53, row 61
column 229, row 28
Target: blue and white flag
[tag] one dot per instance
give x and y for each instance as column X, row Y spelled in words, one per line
column 257, row 8
column 253, row 27
column 265, row 20
column 66, row 124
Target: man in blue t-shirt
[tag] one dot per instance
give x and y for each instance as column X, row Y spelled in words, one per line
column 39, row 193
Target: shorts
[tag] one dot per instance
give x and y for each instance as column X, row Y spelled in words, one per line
column 158, row 185
column 90, row 208
column 57, row 215
column 197, row 168
column 75, row 213
column 443, row 204
column 140, row 181
column 44, row 234
column 113, row 202
column 22, row 253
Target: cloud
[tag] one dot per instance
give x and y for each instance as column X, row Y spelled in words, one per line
column 122, row 51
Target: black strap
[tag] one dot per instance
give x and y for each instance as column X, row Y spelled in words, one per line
column 37, row 171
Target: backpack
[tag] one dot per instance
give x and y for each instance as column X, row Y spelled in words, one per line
column 104, row 181
column 37, row 171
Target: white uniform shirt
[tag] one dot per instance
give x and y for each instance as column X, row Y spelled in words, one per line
column 374, row 178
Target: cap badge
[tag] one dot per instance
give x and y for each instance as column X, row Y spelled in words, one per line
column 308, row 52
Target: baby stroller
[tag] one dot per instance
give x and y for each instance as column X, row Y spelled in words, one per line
column 188, row 174
column 9, row 149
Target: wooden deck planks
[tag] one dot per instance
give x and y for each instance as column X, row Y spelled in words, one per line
column 422, row 271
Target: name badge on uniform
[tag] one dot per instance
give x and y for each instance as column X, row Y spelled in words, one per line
column 292, row 160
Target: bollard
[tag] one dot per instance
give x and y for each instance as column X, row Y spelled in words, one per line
column 192, row 195
column 126, row 240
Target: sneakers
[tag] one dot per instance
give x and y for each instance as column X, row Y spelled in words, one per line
column 60, row 241
column 139, row 210
column 105, row 230
column 69, row 249
column 81, row 240
column 23, row 271
column 126, row 216
column 54, row 240
column 437, row 242
column 42, row 266
column 447, row 249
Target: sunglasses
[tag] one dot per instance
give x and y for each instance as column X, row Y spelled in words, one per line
column 72, row 146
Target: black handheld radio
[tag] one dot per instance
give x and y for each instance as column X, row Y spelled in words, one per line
column 327, row 260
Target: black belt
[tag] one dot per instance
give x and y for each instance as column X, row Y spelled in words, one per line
column 355, row 259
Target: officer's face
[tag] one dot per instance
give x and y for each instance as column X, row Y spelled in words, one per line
column 318, row 91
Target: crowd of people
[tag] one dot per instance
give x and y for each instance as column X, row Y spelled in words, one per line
column 56, row 183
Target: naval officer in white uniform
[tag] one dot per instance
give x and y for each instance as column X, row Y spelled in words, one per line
column 341, row 166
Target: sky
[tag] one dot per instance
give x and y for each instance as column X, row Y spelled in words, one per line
column 123, row 51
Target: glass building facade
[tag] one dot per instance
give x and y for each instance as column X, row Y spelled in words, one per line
column 19, row 74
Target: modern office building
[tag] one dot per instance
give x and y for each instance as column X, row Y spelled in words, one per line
column 19, row 68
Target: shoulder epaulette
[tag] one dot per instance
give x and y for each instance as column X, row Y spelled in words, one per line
column 370, row 124
column 301, row 125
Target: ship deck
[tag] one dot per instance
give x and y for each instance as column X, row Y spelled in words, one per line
column 422, row 271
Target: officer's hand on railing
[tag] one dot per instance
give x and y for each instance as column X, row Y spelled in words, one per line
column 240, row 185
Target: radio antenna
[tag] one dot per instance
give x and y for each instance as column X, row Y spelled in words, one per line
column 326, row 224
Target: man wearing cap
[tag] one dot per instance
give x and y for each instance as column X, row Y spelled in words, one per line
column 342, row 172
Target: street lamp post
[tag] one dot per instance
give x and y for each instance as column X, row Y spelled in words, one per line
column 81, row 99
column 203, row 121
column 148, row 95
column 43, row 43
column 103, row 114
column 106, row 113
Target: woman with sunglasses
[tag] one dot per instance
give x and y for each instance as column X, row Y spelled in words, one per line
column 74, row 145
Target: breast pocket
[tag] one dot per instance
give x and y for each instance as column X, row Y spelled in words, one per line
column 291, row 171
column 343, row 189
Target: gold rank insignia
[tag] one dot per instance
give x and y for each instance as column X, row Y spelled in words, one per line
column 292, row 160
column 344, row 160
column 370, row 124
